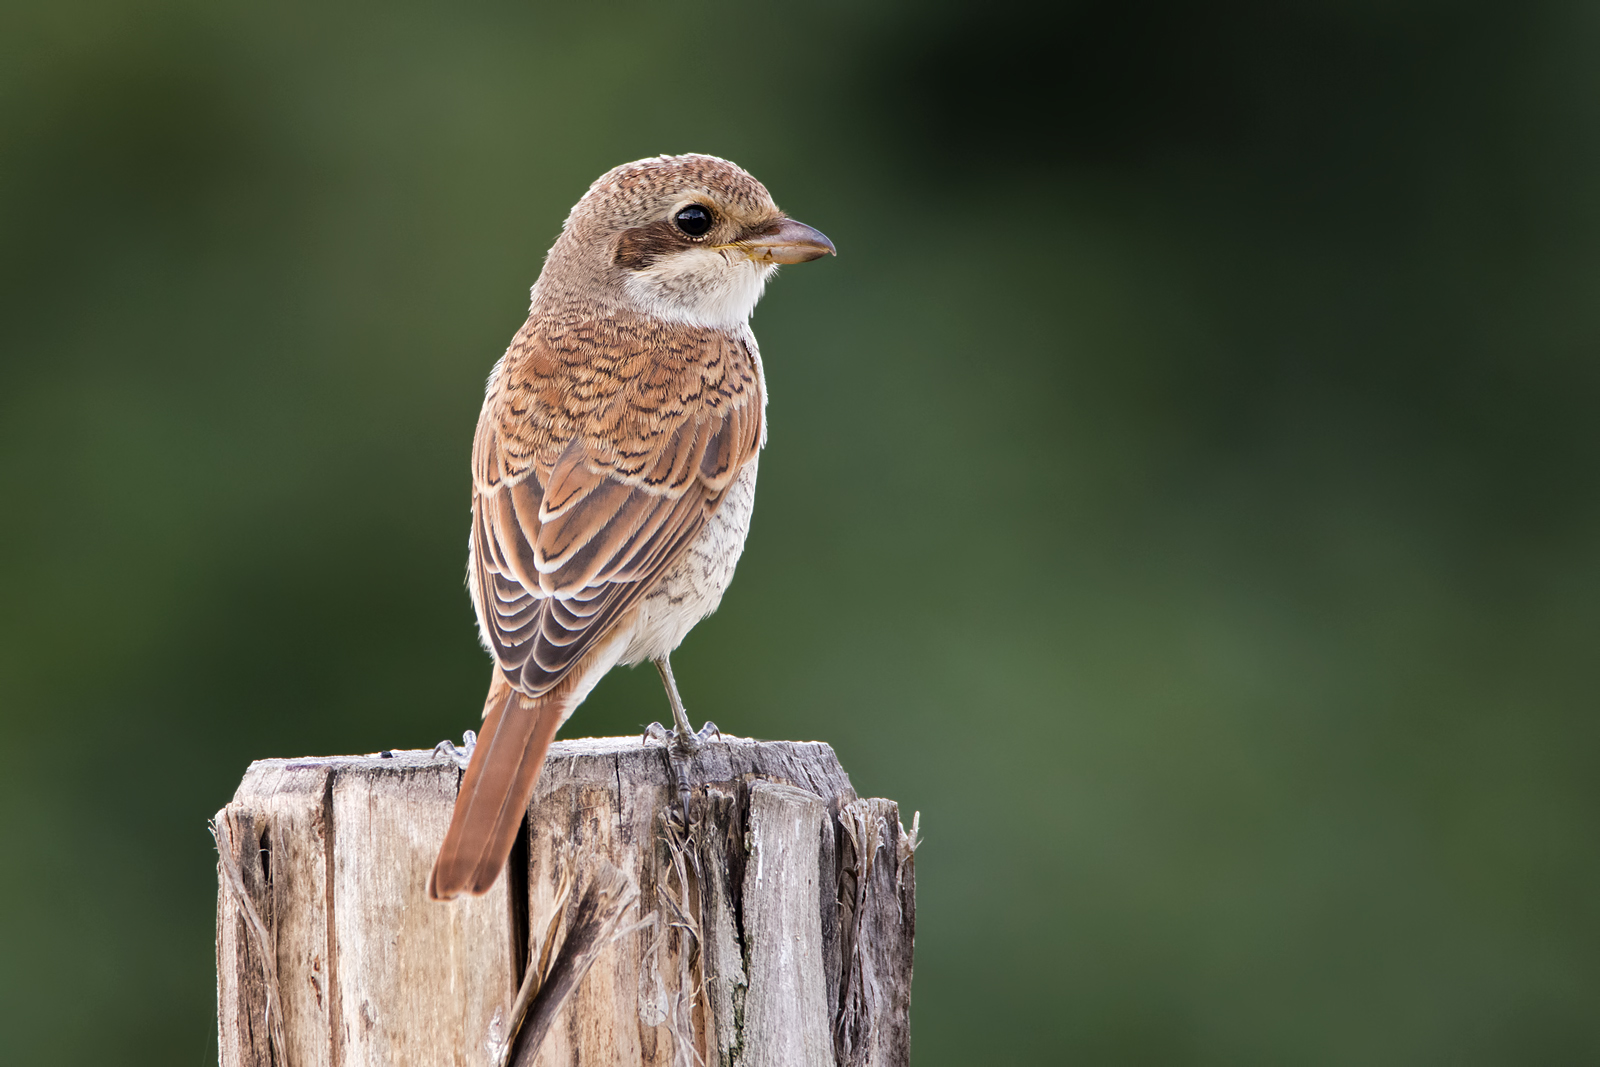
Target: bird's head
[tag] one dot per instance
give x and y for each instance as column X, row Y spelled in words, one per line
column 689, row 239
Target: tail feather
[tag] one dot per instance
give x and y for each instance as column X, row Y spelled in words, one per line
column 495, row 792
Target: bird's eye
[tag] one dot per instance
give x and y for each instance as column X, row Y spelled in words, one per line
column 693, row 220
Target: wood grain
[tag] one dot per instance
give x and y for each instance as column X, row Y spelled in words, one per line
column 786, row 1014
column 776, row 930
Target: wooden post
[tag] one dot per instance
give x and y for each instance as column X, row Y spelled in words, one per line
column 775, row 931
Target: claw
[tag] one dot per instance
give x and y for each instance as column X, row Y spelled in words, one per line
column 684, row 744
column 461, row 756
column 680, row 747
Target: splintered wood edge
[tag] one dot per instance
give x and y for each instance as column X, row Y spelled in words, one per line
column 766, row 768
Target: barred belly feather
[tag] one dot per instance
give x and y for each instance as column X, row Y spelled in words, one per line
column 691, row 589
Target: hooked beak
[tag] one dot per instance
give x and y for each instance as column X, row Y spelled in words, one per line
column 786, row 241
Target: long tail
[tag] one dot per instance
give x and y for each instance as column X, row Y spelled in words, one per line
column 495, row 791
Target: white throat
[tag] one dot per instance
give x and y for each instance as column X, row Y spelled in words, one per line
column 701, row 287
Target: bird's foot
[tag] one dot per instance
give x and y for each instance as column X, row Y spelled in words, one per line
column 680, row 747
column 682, row 743
column 463, row 755
column 708, row 733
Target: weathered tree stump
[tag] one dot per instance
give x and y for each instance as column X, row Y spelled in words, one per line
column 775, row 930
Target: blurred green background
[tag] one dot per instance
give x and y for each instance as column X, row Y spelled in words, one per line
column 1181, row 488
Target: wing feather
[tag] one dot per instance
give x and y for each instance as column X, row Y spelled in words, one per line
column 588, row 486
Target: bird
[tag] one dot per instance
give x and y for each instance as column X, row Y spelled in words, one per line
column 613, row 466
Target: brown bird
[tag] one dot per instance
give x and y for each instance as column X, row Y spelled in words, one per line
column 614, row 467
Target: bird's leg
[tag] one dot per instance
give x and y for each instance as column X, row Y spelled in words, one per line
column 681, row 743
column 463, row 755
column 683, row 737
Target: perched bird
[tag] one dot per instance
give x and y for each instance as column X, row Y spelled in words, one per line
column 614, row 467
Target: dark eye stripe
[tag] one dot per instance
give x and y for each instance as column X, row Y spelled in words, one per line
column 639, row 247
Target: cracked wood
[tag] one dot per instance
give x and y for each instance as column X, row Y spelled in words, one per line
column 781, row 924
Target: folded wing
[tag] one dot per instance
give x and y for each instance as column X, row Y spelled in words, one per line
column 597, row 462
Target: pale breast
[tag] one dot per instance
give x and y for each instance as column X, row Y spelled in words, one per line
column 692, row 588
